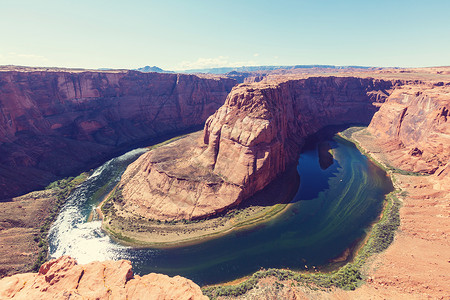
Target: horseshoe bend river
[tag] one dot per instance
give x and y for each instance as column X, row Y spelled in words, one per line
column 329, row 214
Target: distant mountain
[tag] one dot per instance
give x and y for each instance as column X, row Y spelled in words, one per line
column 155, row 69
column 244, row 69
column 267, row 68
column 213, row 70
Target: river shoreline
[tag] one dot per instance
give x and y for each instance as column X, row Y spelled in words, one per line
column 163, row 235
column 346, row 256
column 412, row 267
column 135, row 231
column 349, row 256
column 238, row 220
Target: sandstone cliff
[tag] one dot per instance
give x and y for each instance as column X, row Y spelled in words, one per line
column 63, row 278
column 57, row 123
column 415, row 123
column 246, row 144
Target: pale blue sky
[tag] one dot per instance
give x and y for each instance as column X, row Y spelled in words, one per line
column 187, row 34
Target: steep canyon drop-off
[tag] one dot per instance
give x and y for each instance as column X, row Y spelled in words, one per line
column 260, row 130
column 413, row 122
column 54, row 124
column 246, row 144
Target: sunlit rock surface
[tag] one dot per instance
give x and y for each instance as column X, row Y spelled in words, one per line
column 246, row 144
column 63, row 278
column 416, row 119
column 57, row 123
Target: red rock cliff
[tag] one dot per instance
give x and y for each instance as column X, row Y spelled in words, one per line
column 260, row 129
column 57, row 123
column 248, row 142
column 415, row 121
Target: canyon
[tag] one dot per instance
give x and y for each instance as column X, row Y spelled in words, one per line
column 58, row 123
column 260, row 130
column 246, row 144
column 415, row 119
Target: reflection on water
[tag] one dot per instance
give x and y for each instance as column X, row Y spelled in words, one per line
column 329, row 213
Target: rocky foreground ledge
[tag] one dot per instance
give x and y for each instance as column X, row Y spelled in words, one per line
column 63, row 278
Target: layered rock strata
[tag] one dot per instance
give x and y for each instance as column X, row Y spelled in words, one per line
column 56, row 123
column 415, row 123
column 63, row 278
column 245, row 145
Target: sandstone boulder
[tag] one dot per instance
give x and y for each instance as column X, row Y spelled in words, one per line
column 63, row 278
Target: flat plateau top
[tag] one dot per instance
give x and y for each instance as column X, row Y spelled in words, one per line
column 428, row 74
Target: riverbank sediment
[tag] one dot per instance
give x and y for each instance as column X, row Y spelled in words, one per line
column 136, row 231
column 349, row 277
column 25, row 222
column 414, row 266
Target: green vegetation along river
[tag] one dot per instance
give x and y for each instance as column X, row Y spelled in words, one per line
column 329, row 214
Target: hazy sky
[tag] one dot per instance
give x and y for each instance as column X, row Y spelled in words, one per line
column 187, row 34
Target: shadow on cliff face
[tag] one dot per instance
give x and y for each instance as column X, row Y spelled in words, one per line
column 57, row 124
column 308, row 177
column 68, row 157
column 280, row 191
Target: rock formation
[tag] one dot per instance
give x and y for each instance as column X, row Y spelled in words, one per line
column 63, row 278
column 246, row 144
column 56, row 123
column 416, row 119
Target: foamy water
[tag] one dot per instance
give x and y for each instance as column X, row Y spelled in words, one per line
column 70, row 234
column 330, row 212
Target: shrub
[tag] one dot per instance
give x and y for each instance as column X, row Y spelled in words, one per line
column 347, row 277
column 63, row 188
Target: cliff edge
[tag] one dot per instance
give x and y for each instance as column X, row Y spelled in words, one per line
column 245, row 145
column 57, row 123
column 63, row 278
column 415, row 124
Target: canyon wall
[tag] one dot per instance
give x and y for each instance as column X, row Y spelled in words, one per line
column 63, row 278
column 56, row 123
column 246, row 144
column 260, row 129
column 415, row 124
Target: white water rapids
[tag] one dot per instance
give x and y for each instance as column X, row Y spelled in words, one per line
column 70, row 234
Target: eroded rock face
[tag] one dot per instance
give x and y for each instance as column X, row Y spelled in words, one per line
column 63, row 278
column 416, row 119
column 170, row 183
column 260, row 129
column 57, row 123
column 246, row 144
